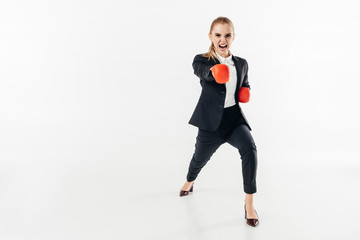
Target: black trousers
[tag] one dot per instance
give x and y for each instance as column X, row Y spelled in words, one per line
column 234, row 131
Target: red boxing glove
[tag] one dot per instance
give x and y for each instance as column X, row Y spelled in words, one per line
column 221, row 73
column 244, row 94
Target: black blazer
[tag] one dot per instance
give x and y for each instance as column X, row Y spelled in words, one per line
column 209, row 109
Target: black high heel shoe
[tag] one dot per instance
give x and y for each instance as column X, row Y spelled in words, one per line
column 252, row 221
column 185, row 193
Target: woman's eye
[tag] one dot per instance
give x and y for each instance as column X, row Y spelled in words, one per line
column 226, row 35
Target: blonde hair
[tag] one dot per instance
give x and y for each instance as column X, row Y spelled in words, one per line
column 211, row 54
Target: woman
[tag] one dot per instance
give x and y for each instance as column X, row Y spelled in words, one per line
column 218, row 116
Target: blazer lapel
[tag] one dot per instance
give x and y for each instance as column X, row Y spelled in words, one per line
column 239, row 73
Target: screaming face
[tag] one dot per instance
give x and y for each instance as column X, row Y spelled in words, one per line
column 222, row 36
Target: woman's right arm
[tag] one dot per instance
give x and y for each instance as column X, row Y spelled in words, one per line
column 202, row 69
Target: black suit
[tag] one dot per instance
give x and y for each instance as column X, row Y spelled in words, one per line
column 209, row 109
column 217, row 125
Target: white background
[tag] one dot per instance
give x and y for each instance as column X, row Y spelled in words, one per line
column 95, row 99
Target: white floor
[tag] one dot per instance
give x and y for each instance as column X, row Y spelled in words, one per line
column 111, row 192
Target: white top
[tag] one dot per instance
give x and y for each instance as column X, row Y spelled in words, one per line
column 231, row 84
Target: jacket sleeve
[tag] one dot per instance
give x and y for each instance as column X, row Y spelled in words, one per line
column 246, row 81
column 202, row 69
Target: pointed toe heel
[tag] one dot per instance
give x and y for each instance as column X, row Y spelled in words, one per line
column 252, row 221
column 185, row 193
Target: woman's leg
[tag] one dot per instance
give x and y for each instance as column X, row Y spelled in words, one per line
column 241, row 138
column 206, row 144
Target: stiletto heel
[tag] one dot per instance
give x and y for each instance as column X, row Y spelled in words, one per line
column 252, row 221
column 185, row 193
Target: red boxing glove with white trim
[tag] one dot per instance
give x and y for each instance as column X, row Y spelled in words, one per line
column 244, row 94
column 221, row 73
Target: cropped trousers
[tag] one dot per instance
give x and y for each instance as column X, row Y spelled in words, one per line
column 234, row 131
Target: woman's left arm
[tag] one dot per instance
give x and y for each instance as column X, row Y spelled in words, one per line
column 246, row 81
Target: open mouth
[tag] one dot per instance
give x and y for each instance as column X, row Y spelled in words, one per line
column 223, row 47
